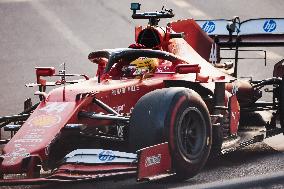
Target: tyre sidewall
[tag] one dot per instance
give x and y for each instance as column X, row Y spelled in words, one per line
column 282, row 104
column 181, row 101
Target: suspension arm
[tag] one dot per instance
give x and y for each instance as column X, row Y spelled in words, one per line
column 93, row 115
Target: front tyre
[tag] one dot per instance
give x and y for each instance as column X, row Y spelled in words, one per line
column 190, row 133
column 281, row 102
column 178, row 116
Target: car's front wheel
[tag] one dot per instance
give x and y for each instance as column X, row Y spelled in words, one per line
column 178, row 116
column 282, row 104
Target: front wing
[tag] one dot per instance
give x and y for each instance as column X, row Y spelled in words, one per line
column 85, row 165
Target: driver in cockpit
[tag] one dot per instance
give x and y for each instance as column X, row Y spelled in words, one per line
column 140, row 67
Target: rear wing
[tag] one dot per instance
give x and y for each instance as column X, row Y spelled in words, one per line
column 249, row 33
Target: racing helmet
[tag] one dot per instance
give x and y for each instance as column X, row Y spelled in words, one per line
column 140, row 66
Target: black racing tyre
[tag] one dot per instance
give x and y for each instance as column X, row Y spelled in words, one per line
column 147, row 120
column 282, row 105
column 180, row 117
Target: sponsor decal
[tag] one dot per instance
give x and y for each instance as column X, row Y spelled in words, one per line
column 153, row 160
column 119, row 108
column 45, row 120
column 34, row 135
column 47, row 150
column 269, row 26
column 209, row 27
column 15, row 154
column 213, row 54
column 19, row 151
column 120, row 132
column 235, row 88
column 130, row 111
column 37, row 131
column 54, row 107
column 234, row 114
column 124, row 90
column 118, row 91
column 29, row 140
column 106, row 155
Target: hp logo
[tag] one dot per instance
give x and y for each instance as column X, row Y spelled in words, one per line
column 106, row 156
column 208, row 26
column 269, row 26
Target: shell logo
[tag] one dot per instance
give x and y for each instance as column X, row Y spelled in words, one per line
column 45, row 120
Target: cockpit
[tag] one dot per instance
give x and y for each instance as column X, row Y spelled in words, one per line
column 132, row 63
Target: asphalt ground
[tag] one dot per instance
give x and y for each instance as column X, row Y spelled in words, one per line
column 50, row 32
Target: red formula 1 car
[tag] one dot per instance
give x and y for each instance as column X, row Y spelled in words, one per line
column 158, row 108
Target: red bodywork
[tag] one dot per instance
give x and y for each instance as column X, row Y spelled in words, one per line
column 61, row 106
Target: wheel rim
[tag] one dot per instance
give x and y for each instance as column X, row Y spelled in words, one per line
column 191, row 133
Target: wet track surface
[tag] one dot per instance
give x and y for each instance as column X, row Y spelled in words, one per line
column 49, row 32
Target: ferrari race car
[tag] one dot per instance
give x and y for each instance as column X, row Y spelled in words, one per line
column 159, row 108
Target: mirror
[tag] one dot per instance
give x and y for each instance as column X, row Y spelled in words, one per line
column 187, row 68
